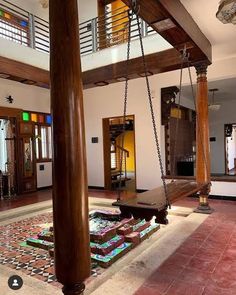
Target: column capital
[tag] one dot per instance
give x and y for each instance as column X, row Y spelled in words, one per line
column 201, row 68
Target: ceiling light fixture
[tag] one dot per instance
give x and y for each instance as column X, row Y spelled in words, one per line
column 28, row 82
column 121, row 79
column 227, row 11
column 4, row 76
column 214, row 106
column 101, row 83
column 148, row 73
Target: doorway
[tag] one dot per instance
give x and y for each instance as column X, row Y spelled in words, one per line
column 230, row 149
column 8, row 179
column 119, row 151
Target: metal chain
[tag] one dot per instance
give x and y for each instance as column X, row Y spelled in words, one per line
column 130, row 16
column 152, row 115
column 184, row 59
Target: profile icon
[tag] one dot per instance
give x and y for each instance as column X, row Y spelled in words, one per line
column 15, row 282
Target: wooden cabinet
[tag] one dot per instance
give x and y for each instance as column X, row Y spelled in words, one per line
column 27, row 167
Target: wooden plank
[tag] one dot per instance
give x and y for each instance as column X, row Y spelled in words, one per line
column 156, row 197
column 185, row 30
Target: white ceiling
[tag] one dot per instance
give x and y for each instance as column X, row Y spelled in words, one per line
column 222, row 36
column 227, row 90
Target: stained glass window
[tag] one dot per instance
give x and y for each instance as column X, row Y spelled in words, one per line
column 13, row 28
column 49, row 119
column 25, row 116
column 40, row 118
column 33, row 117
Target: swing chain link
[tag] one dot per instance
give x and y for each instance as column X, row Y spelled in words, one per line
column 130, row 17
column 158, row 149
column 135, row 10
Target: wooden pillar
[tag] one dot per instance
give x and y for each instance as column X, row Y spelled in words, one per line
column 202, row 138
column 70, row 196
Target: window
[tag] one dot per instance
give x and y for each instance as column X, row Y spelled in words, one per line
column 43, row 143
column 13, row 28
column 113, row 155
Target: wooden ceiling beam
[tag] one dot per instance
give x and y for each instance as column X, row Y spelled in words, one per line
column 184, row 29
column 21, row 72
column 159, row 62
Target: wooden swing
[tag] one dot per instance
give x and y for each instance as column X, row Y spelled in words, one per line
column 156, row 201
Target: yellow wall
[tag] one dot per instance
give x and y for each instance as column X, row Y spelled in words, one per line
column 119, row 32
column 128, row 145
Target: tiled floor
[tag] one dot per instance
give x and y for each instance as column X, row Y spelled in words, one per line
column 35, row 262
column 27, row 199
column 45, row 195
column 32, row 261
column 205, row 264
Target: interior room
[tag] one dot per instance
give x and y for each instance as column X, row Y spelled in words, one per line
column 118, row 147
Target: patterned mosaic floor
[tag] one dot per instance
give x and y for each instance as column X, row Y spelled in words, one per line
column 33, row 261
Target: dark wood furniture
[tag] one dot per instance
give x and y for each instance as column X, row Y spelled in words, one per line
column 153, row 203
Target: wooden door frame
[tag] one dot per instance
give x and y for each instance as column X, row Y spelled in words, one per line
column 107, row 154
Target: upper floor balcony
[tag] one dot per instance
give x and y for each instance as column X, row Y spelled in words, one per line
column 25, row 37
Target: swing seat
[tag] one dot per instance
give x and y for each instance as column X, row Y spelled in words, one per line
column 153, row 203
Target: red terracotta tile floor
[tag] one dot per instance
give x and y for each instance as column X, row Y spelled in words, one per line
column 45, row 195
column 205, row 264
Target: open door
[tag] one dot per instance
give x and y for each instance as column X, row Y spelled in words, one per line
column 113, row 151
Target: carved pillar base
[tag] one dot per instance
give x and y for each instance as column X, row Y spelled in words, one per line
column 203, row 206
column 76, row 289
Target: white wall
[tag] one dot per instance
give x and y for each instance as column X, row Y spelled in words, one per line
column 102, row 102
column 32, row 6
column 87, row 10
column 44, row 177
column 217, row 119
column 107, row 102
column 30, row 98
column 26, row 97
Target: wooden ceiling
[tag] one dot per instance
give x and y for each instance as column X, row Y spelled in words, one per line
column 168, row 17
column 173, row 22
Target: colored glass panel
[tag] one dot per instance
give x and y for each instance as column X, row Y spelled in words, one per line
column 25, row 116
column 1, row 13
column 49, row 119
column 33, row 117
column 41, row 118
column 23, row 23
column 6, row 15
